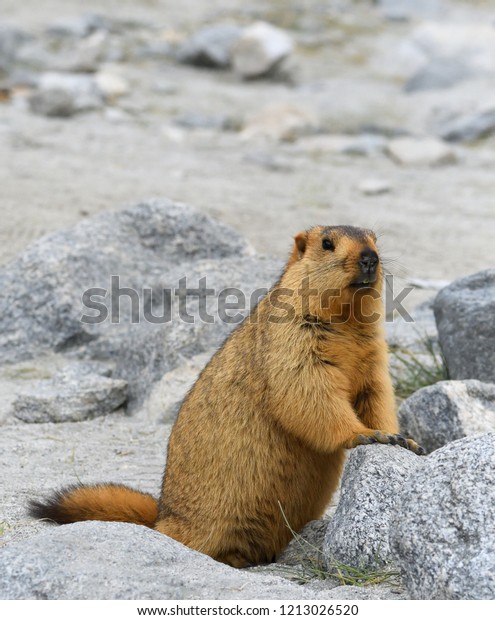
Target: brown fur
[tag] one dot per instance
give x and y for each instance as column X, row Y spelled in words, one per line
column 260, row 438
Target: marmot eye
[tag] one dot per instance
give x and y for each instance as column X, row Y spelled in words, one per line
column 326, row 244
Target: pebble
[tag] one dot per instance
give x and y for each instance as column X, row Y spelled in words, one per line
column 283, row 122
column 210, row 46
column 111, row 85
column 374, row 187
column 420, row 152
column 259, row 48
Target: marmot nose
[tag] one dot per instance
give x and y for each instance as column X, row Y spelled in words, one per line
column 368, row 261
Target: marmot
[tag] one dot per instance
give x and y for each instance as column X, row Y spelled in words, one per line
column 259, row 440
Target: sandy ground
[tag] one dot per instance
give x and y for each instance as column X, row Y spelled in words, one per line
column 435, row 223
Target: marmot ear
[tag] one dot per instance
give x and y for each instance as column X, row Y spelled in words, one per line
column 300, row 241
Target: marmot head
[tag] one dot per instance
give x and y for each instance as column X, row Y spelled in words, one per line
column 341, row 263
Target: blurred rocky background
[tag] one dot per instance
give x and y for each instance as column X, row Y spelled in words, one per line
column 266, row 117
column 270, row 116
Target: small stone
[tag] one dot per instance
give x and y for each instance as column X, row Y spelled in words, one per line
column 442, row 533
column 283, row 121
column 78, row 27
column 173, row 134
column 366, row 144
column 470, row 45
column 84, row 57
column 53, row 102
column 210, row 47
column 269, row 161
column 165, row 87
column 420, row 152
column 404, row 10
column 259, row 49
column 463, row 313
column 116, row 115
column 11, row 40
column 374, row 187
column 17, row 380
column 469, row 127
column 64, row 95
column 20, row 79
column 69, row 397
column 439, row 74
column 111, row 85
column 198, row 120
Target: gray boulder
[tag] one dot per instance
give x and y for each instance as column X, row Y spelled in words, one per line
column 442, row 533
column 151, row 248
column 210, row 47
column 449, row 410
column 259, row 49
column 94, row 560
column 358, row 533
column 464, row 313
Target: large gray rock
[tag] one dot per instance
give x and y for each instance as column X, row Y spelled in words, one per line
column 449, row 410
column 358, row 533
column 464, row 313
column 151, row 246
column 443, row 530
column 210, row 47
column 94, row 560
column 259, row 49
